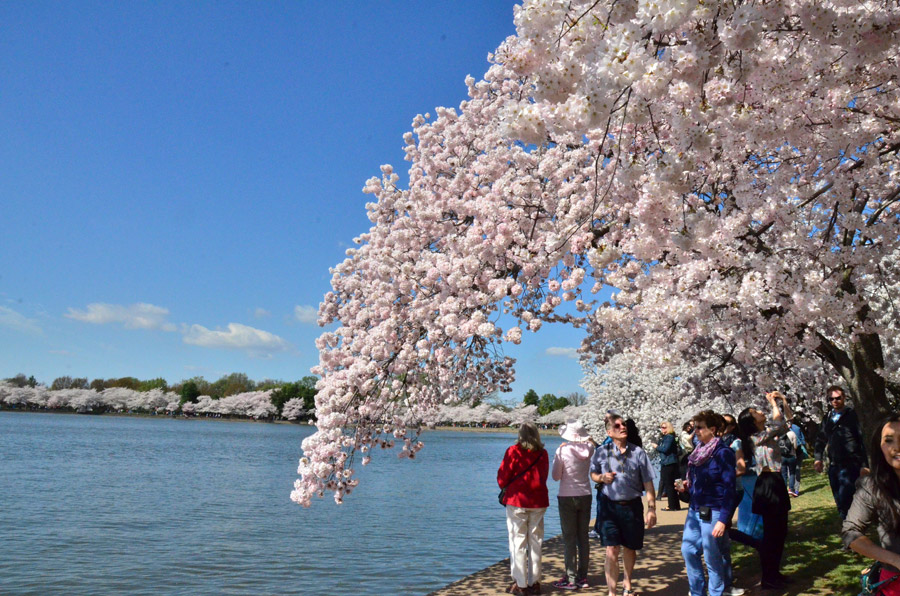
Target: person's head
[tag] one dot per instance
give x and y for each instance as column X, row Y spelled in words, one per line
column 688, row 427
column 634, row 437
column 747, row 426
column 837, row 397
column 616, row 428
column 757, row 416
column 885, row 449
column 885, row 441
column 729, row 424
column 706, row 425
column 666, row 428
column 529, row 437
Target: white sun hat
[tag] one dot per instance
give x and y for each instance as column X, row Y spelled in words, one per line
column 573, row 430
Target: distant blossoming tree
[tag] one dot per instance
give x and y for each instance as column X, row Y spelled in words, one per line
column 649, row 395
column 652, row 393
column 293, row 409
column 729, row 169
column 563, row 414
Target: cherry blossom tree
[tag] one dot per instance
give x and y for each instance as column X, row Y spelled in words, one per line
column 649, row 395
column 13, row 395
column 727, row 170
column 293, row 409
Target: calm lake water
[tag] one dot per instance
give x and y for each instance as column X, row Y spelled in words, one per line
column 116, row 505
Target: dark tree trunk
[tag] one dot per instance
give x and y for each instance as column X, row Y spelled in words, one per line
column 857, row 366
column 867, row 386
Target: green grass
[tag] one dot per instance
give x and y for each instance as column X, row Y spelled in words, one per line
column 813, row 553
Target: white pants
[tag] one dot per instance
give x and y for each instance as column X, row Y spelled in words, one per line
column 526, row 535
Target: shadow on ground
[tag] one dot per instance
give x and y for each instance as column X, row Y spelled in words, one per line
column 659, row 570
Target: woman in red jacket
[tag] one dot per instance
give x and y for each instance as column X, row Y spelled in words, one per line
column 523, row 474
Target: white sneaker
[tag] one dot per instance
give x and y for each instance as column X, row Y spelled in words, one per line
column 733, row 591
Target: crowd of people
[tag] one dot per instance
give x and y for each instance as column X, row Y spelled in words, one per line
column 717, row 466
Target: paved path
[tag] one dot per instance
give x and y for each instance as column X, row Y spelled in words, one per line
column 659, row 570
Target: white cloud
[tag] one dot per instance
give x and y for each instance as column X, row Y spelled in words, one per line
column 255, row 342
column 567, row 352
column 306, row 314
column 17, row 321
column 134, row 316
column 261, row 313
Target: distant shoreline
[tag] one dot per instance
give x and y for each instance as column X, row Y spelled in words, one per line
column 468, row 429
column 145, row 415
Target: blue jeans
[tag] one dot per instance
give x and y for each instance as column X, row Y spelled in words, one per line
column 843, row 485
column 698, row 541
column 789, row 472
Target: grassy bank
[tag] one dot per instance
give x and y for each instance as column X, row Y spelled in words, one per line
column 813, row 554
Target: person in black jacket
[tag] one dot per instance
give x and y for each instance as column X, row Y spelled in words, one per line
column 840, row 437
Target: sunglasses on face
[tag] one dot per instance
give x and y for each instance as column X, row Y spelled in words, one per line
column 618, row 425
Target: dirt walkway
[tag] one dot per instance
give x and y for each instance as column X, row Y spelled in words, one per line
column 659, row 569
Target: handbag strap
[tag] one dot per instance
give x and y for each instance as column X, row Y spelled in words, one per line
column 516, row 477
column 884, row 582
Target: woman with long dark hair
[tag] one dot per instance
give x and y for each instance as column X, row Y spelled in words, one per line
column 523, row 474
column 877, row 502
column 634, row 436
column 759, row 444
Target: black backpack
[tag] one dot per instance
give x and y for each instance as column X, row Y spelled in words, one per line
column 787, row 448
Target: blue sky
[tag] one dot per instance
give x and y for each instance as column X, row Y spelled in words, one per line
column 178, row 177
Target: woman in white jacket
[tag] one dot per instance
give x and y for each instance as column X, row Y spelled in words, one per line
column 571, row 467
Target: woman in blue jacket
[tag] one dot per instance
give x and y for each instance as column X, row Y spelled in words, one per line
column 668, row 465
column 711, row 481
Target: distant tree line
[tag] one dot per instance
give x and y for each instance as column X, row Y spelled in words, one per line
column 196, row 390
column 550, row 403
column 236, row 395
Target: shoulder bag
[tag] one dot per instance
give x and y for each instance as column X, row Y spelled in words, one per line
column 871, row 582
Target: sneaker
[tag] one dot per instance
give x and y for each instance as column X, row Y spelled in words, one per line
column 734, row 591
column 593, row 534
column 565, row 584
column 582, row 582
column 793, row 494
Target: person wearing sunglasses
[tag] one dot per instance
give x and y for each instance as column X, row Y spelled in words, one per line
column 710, row 480
column 622, row 472
column 840, row 438
column 668, row 460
